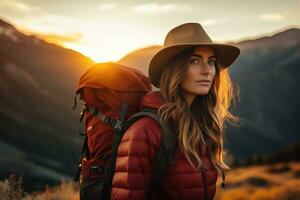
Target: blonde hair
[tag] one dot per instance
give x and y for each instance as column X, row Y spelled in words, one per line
column 203, row 123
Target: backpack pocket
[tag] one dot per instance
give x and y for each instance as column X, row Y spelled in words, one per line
column 94, row 188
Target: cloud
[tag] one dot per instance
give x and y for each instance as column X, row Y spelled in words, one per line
column 18, row 6
column 59, row 39
column 106, row 6
column 49, row 23
column 271, row 17
column 211, row 22
column 160, row 8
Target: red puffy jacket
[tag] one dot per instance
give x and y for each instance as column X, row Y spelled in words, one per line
column 136, row 154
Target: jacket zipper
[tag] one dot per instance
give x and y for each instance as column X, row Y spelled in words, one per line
column 205, row 185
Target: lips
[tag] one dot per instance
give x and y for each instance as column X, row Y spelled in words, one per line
column 203, row 81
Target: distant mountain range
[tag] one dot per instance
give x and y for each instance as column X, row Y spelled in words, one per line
column 267, row 72
column 38, row 127
column 39, row 130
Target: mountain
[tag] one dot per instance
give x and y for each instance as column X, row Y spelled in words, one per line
column 267, row 73
column 38, row 127
column 44, row 61
column 140, row 58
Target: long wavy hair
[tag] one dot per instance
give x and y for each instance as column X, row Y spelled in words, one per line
column 203, row 123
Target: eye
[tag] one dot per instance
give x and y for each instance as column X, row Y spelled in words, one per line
column 194, row 61
column 212, row 62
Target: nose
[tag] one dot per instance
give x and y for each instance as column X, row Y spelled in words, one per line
column 206, row 69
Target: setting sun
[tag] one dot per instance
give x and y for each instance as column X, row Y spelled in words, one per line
column 109, row 31
column 109, row 41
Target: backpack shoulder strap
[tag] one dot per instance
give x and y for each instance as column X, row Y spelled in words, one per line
column 165, row 152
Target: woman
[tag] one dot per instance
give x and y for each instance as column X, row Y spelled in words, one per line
column 195, row 93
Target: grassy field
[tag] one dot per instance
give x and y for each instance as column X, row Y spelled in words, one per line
column 279, row 181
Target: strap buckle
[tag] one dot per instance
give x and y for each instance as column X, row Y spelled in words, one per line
column 98, row 170
column 118, row 125
column 84, row 110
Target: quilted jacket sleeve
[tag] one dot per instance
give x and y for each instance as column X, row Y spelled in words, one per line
column 135, row 158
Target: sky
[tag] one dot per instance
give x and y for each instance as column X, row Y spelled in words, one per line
column 108, row 30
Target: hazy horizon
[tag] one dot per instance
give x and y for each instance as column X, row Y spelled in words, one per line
column 108, row 30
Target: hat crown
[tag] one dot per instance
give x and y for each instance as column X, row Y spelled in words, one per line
column 188, row 33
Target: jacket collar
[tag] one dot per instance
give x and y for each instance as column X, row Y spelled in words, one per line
column 152, row 99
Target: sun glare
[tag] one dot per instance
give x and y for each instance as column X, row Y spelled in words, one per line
column 101, row 41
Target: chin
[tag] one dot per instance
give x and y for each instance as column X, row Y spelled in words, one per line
column 202, row 92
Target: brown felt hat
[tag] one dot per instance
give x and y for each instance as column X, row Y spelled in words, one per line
column 183, row 37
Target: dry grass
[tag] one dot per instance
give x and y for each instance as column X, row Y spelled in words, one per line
column 65, row 191
column 12, row 189
column 268, row 182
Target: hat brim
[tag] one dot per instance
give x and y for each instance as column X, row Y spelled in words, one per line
column 225, row 53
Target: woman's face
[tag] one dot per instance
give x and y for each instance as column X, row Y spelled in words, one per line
column 200, row 72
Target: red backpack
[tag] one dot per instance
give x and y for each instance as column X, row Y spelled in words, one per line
column 112, row 94
column 105, row 87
